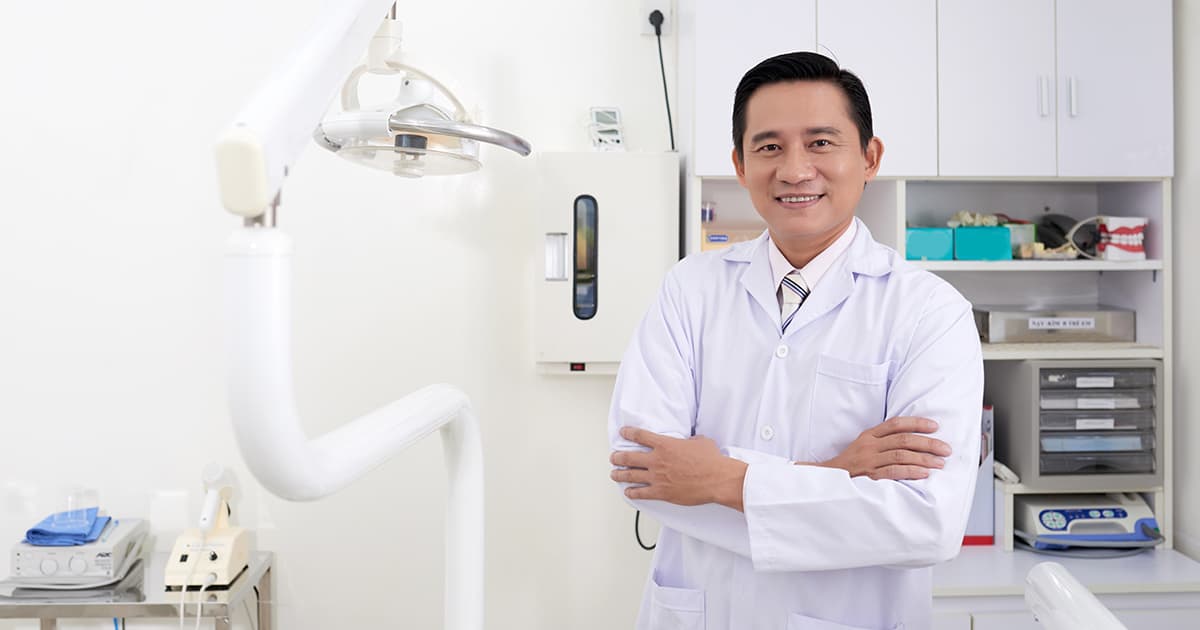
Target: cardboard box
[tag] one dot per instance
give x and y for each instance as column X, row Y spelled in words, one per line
column 980, row 523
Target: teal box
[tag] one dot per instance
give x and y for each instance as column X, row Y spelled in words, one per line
column 983, row 243
column 929, row 243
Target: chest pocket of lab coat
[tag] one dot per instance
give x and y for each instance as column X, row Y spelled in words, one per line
column 676, row 608
column 848, row 398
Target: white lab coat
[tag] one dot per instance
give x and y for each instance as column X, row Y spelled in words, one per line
column 877, row 338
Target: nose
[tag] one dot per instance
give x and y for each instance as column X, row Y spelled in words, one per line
column 796, row 167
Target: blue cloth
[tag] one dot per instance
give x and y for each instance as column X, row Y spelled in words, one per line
column 66, row 529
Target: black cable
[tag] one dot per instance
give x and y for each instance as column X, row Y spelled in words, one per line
column 637, row 531
column 656, row 18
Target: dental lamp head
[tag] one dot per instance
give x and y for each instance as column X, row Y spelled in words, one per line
column 424, row 130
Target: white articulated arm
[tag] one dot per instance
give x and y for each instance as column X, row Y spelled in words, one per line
column 293, row 466
column 271, row 130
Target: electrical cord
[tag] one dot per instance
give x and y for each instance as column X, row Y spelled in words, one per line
column 656, row 19
column 637, row 531
column 208, row 581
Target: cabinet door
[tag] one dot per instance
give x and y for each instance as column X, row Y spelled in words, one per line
column 1005, row 621
column 1116, row 113
column 730, row 38
column 892, row 46
column 996, row 88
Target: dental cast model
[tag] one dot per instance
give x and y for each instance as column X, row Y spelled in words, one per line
column 1121, row 238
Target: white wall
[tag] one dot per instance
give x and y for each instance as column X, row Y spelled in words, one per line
column 1186, row 198
column 111, row 243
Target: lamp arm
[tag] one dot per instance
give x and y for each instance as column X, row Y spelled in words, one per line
column 289, row 464
column 1061, row 602
column 256, row 151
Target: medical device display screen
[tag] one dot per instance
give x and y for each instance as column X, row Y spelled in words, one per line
column 585, row 277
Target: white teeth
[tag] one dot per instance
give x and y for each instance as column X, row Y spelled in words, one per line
column 800, row 199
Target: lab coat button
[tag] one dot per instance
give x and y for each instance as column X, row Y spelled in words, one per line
column 767, row 433
column 781, row 351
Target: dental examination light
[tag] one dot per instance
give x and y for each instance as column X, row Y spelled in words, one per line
column 424, row 131
column 1061, row 602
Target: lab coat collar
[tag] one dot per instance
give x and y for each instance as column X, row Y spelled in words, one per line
column 864, row 257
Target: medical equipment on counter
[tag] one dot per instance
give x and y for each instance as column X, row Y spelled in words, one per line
column 253, row 157
column 1085, row 523
column 611, row 226
column 213, row 554
column 1060, row 602
column 1013, row 324
column 120, row 544
column 1079, row 426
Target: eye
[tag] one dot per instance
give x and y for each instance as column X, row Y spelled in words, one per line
column 821, row 143
column 769, row 148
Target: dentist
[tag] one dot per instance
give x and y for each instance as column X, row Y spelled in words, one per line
column 800, row 412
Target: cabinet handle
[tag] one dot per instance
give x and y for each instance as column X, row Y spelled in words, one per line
column 1044, row 95
column 1073, row 96
column 556, row 256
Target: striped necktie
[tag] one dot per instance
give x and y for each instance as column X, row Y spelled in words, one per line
column 792, row 291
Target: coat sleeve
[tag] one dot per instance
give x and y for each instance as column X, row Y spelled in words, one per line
column 656, row 391
column 806, row 518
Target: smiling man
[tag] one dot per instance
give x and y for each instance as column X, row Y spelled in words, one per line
column 800, row 412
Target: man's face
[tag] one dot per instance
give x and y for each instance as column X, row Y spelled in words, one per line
column 803, row 164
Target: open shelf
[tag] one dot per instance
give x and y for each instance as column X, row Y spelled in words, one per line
column 1107, row 350
column 1039, row 265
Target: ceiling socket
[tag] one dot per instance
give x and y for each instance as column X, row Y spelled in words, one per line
column 647, row 6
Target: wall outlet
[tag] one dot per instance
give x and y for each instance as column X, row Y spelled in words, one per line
column 646, row 7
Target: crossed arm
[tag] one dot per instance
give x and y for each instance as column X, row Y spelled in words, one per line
column 693, row 471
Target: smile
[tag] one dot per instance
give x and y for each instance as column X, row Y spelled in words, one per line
column 799, row 198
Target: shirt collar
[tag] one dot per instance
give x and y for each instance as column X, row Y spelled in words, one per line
column 816, row 268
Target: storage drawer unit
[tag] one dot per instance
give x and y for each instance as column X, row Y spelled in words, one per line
column 1087, row 426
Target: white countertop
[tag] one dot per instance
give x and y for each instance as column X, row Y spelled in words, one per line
column 988, row 571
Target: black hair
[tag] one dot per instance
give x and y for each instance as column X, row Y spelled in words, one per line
column 802, row 66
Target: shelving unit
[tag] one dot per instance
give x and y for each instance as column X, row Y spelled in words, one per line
column 889, row 205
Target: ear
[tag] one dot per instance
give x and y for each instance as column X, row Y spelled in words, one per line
column 738, row 167
column 873, row 155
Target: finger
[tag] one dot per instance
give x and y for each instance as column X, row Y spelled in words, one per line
column 914, row 442
column 899, row 473
column 642, row 492
column 910, row 458
column 641, row 436
column 631, row 459
column 904, row 424
column 631, row 475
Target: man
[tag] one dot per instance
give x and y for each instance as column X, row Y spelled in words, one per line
column 769, row 411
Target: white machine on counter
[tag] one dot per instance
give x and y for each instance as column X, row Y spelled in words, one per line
column 611, row 226
column 120, row 544
column 212, row 555
column 1083, row 523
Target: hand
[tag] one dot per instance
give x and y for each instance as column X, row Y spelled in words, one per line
column 681, row 471
column 893, row 450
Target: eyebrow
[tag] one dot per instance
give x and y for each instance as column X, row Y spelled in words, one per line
column 811, row 131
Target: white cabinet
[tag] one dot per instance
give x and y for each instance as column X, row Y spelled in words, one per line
column 1037, row 88
column 1116, row 111
column 996, row 88
column 892, row 46
column 728, row 39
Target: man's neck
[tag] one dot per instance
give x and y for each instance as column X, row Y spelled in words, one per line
column 800, row 251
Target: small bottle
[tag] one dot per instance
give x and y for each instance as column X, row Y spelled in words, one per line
column 708, row 211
